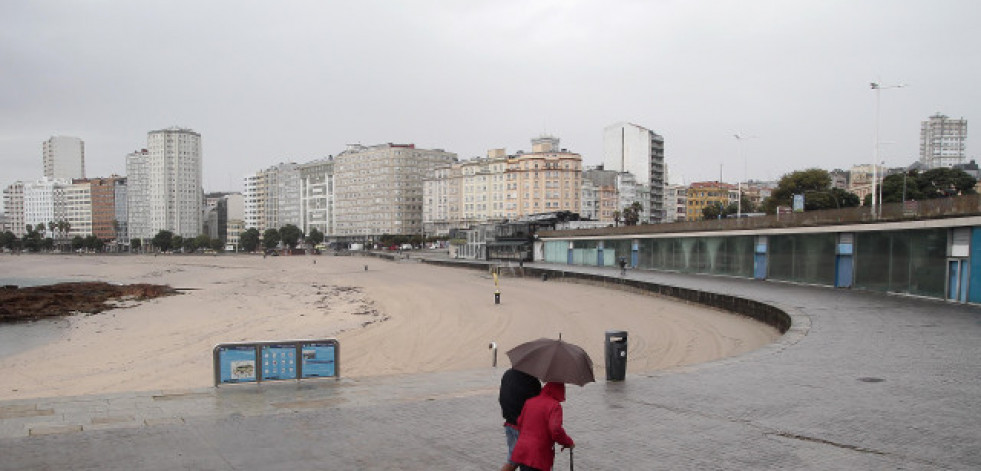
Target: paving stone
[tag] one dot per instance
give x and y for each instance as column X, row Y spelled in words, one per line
column 861, row 381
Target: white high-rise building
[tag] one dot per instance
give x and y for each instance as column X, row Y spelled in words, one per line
column 138, row 196
column 64, row 158
column 943, row 141
column 44, row 201
column 272, row 198
column 631, row 148
column 317, row 196
column 166, row 178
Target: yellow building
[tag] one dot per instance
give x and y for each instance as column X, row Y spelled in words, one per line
column 545, row 180
column 702, row 194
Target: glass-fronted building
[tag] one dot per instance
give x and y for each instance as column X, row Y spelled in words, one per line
column 933, row 258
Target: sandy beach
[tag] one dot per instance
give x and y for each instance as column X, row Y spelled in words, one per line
column 393, row 318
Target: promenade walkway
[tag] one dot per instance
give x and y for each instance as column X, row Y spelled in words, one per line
column 861, row 381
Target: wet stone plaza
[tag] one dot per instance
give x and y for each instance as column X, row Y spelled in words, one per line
column 860, row 381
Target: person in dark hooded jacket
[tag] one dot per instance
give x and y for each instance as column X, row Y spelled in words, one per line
column 516, row 388
column 540, row 424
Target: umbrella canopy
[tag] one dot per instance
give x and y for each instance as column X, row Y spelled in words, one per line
column 553, row 360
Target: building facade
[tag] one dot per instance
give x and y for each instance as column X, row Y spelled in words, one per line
column 461, row 194
column 317, row 196
column 943, row 141
column 379, row 189
column 138, row 196
column 63, row 158
column 272, row 198
column 631, row 148
column 548, row 179
column 675, row 203
column 165, row 185
column 102, row 193
column 13, row 207
column 703, row 194
column 44, row 201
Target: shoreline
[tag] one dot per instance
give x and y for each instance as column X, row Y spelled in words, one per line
column 394, row 318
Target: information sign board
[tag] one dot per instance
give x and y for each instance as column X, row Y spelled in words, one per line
column 236, row 363
column 278, row 361
column 318, row 359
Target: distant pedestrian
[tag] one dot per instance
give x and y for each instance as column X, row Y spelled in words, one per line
column 516, row 388
column 623, row 266
column 540, row 424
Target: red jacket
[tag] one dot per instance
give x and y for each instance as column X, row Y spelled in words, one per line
column 540, row 425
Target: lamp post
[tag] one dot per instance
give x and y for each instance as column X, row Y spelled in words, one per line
column 878, row 87
column 739, row 202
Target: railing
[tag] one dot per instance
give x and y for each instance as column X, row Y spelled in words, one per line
column 959, row 206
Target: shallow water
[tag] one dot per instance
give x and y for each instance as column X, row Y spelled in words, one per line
column 21, row 336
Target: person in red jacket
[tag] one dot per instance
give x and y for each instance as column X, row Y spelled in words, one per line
column 540, row 424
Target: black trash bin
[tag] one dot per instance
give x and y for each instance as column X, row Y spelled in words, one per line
column 616, row 355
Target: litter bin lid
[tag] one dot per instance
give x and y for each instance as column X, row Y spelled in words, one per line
column 616, row 332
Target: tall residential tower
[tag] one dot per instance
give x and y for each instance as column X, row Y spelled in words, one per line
column 631, row 148
column 64, row 158
column 943, row 141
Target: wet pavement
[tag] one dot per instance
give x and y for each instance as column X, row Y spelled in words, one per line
column 861, row 381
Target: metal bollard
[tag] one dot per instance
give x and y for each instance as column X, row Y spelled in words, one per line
column 493, row 346
column 497, row 297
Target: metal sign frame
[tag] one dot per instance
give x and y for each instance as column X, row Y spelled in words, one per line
column 257, row 362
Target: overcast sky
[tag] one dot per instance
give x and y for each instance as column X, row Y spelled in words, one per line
column 269, row 82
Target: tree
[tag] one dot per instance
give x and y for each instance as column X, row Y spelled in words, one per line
column 815, row 185
column 217, row 245
column 202, row 242
column 177, row 242
column 77, row 242
column 163, row 240
column 631, row 214
column 135, row 244
column 713, row 210
column 7, row 240
column 290, row 235
column 616, row 218
column 315, row 237
column 270, row 239
column 249, row 239
column 93, row 243
column 945, row 182
column 47, row 244
column 32, row 239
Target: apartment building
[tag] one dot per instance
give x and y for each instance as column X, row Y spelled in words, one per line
column 943, row 141
column 316, row 196
column 379, row 189
column 461, row 194
column 272, row 197
column 547, row 179
column 702, row 194
column 63, row 158
column 103, row 202
column 13, row 207
column 165, row 190
column 631, row 148
column 675, row 203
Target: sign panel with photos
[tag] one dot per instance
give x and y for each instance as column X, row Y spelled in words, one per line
column 249, row 362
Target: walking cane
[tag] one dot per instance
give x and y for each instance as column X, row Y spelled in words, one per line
column 572, row 461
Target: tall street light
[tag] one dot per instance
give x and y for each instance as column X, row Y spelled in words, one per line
column 878, row 87
column 739, row 202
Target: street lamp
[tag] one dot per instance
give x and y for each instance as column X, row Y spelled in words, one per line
column 878, row 87
column 739, row 202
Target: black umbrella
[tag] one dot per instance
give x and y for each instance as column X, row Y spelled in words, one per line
column 553, row 360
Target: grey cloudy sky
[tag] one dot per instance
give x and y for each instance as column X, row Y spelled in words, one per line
column 269, row 82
